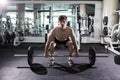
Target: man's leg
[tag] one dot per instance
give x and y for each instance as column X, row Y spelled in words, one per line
column 52, row 47
column 70, row 46
column 71, row 50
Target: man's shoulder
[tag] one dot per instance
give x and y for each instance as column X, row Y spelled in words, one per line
column 55, row 28
column 69, row 28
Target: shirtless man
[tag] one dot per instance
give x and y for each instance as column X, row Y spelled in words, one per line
column 62, row 34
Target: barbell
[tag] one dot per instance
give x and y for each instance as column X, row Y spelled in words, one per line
column 31, row 55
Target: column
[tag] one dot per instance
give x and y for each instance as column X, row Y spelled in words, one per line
column 83, row 14
column 82, row 9
column 36, row 7
column 21, row 16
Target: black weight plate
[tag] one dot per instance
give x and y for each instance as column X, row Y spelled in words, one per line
column 105, row 20
column 30, row 55
column 1, row 40
column 117, row 59
column 92, row 56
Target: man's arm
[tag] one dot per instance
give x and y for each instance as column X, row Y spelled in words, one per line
column 74, row 40
column 49, row 39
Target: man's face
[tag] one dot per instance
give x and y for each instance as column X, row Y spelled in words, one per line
column 63, row 23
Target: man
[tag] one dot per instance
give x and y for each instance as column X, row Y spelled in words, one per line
column 62, row 34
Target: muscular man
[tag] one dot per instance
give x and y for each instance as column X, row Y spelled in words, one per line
column 62, row 34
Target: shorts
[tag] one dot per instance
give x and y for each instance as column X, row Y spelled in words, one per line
column 61, row 42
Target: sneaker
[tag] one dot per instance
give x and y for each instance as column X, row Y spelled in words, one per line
column 52, row 62
column 70, row 62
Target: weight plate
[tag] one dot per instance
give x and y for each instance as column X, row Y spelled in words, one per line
column 117, row 59
column 92, row 56
column 30, row 55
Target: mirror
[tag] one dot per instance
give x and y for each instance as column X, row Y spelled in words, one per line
column 41, row 18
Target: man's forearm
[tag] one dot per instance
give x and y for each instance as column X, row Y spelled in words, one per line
column 74, row 43
column 46, row 47
column 48, row 43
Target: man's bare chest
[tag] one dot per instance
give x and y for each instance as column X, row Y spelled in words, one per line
column 62, row 35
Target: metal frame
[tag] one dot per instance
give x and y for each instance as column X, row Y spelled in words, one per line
column 110, row 44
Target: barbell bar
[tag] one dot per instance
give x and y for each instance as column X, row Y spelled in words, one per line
column 36, row 55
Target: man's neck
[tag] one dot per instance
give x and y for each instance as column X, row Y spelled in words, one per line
column 63, row 28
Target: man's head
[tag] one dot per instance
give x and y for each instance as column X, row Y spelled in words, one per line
column 62, row 20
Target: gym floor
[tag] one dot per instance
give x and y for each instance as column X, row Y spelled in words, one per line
column 104, row 68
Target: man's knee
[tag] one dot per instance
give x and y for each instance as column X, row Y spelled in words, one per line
column 52, row 45
column 70, row 44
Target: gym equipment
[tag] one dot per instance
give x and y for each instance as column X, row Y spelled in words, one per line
column 42, row 70
column 91, row 26
column 114, row 43
column 92, row 56
column 115, row 33
column 105, row 20
column 7, row 37
column 17, row 37
column 117, row 59
column 105, row 31
column 21, row 35
column 1, row 40
column 68, row 23
column 30, row 55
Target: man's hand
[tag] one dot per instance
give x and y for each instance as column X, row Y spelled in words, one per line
column 76, row 54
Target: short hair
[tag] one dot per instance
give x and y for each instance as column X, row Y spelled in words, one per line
column 62, row 17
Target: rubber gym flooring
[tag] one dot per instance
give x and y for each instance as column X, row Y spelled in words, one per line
column 104, row 68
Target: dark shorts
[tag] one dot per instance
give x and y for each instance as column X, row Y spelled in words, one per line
column 61, row 42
